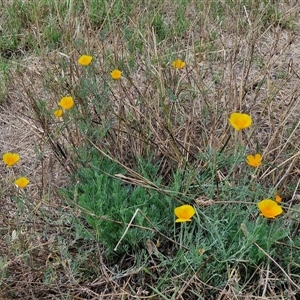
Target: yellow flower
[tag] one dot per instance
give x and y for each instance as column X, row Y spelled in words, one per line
column 85, row 60
column 254, row 160
column 178, row 64
column 10, row 159
column 58, row 113
column 240, row 121
column 278, row 199
column 66, row 102
column 22, row 182
column 116, row 74
column 269, row 208
column 184, row 213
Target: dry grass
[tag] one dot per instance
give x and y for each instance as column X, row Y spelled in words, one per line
column 248, row 70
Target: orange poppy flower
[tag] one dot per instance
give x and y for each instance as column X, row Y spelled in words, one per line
column 184, row 213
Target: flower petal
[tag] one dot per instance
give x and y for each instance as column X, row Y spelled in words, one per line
column 22, row 182
column 116, row 74
column 178, row 64
column 85, row 60
column 10, row 159
column 269, row 208
column 182, row 220
column 66, row 102
column 278, row 199
column 254, row 161
column 240, row 121
column 184, row 213
column 58, row 113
